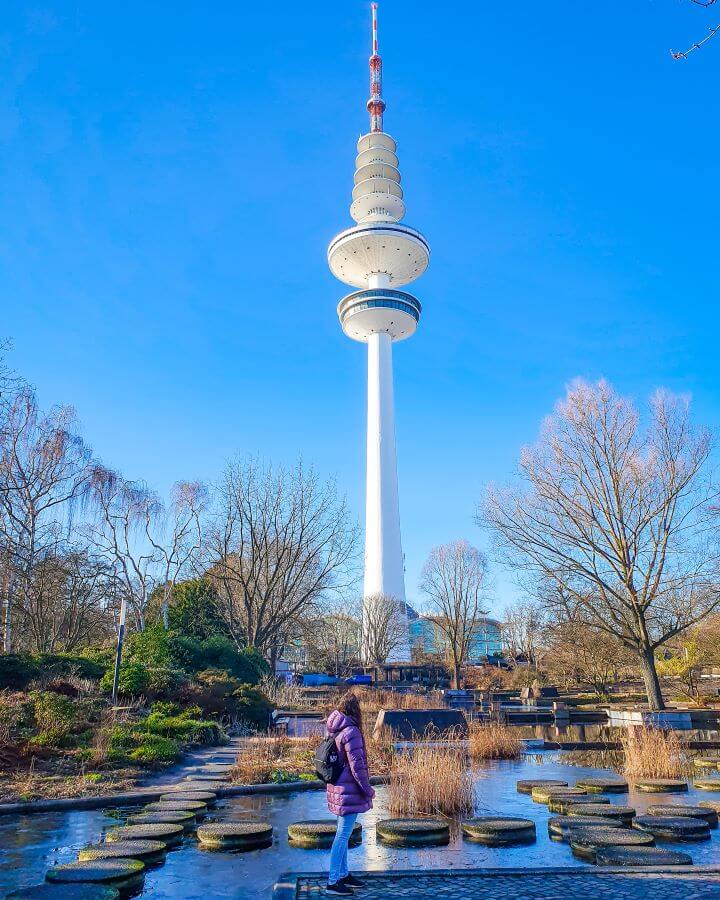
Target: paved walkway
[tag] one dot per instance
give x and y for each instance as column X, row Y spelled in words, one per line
column 520, row 884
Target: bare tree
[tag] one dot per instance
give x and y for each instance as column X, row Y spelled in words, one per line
column 523, row 631
column 281, row 540
column 712, row 31
column 383, row 629
column 332, row 637
column 618, row 518
column 454, row 581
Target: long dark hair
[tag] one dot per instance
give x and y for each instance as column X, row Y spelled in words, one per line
column 349, row 705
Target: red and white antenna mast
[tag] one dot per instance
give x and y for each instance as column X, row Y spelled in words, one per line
column 376, row 104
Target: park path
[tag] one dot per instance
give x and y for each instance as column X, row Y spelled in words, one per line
column 204, row 762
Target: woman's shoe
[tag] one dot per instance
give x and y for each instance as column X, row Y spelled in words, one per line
column 352, row 881
column 339, row 888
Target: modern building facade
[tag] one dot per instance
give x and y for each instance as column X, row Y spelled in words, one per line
column 427, row 638
column 378, row 256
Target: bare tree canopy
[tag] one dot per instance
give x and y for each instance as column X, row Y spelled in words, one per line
column 383, row 628
column 696, row 45
column 618, row 518
column 281, row 539
column 454, row 582
column 523, row 630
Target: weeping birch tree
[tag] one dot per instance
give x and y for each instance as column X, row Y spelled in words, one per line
column 618, row 517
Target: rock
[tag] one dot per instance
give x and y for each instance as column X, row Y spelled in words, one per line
column 168, row 834
column 707, row 784
column 146, row 851
column 559, row 827
column 195, row 807
column 186, row 819
column 603, row 785
column 49, row 891
column 126, row 874
column 623, row 814
column 661, row 785
column 499, row 832
column 543, row 794
column 207, row 797
column 235, row 835
column 526, row 787
column 413, row 832
column 641, row 856
column 674, row 828
column 585, row 842
column 562, row 804
column 319, row 834
column 412, row 724
column 707, row 813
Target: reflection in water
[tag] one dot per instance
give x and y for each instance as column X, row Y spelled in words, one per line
column 32, row 843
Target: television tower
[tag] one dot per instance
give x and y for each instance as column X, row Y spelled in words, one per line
column 378, row 256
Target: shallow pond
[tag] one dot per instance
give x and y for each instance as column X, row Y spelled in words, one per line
column 29, row 844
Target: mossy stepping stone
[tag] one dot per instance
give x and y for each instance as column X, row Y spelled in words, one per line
column 146, row 851
column 526, row 787
column 126, row 874
column 562, row 804
column 64, row 892
column 235, row 835
column 706, row 762
column 603, row 785
column 543, row 794
column 661, row 785
column 707, row 784
column 186, row 819
column 207, row 797
column 559, row 827
column 413, row 832
column 641, row 856
column 168, row 834
column 319, row 833
column 585, row 842
column 499, row 832
column 196, row 807
column 623, row 814
column 674, row 828
column 707, row 813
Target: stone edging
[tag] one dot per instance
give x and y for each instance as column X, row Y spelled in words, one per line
column 141, row 796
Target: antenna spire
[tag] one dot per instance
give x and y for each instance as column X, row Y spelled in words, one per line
column 376, row 104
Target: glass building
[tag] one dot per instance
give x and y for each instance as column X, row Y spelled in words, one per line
column 425, row 636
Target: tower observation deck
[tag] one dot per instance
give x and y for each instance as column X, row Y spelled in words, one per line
column 379, row 256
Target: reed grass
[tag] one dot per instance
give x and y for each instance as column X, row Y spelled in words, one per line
column 494, row 741
column 430, row 781
column 652, row 753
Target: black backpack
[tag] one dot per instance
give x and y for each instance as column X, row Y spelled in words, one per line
column 328, row 762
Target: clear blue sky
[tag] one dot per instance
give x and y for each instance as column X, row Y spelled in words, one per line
column 173, row 172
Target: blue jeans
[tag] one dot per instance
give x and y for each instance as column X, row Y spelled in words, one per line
column 339, row 849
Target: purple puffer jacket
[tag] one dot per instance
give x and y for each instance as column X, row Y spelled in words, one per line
column 353, row 792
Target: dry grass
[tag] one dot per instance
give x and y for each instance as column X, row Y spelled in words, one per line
column 275, row 758
column 652, row 753
column 494, row 741
column 430, row 781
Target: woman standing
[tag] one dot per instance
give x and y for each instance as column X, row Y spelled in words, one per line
column 352, row 794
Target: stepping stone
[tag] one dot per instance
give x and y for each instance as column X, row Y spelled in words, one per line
column 559, row 827
column 526, row 787
column 623, row 814
column 585, row 842
column 707, row 784
column 696, row 812
column 543, row 794
column 186, row 819
column 562, row 804
column 203, row 784
column 49, row 891
column 706, row 762
column 641, row 856
column 413, row 832
column 206, row 797
column 235, row 835
column 674, row 828
column 125, row 874
column 216, row 769
column 603, row 785
column 661, row 785
column 197, row 807
column 171, row 835
column 499, row 832
column 145, row 851
column 319, row 833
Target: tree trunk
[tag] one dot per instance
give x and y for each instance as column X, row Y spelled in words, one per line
column 650, row 678
column 456, row 675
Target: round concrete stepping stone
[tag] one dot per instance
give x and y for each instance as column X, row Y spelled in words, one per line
column 145, row 851
column 319, row 833
column 562, row 804
column 707, row 784
column 196, row 807
column 706, row 762
column 207, row 797
column 585, row 842
column 126, row 874
column 413, row 832
column 674, row 828
column 661, row 785
column 623, row 814
column 499, row 832
column 168, row 834
column 641, row 856
column 49, row 891
column 559, row 827
column 543, row 794
column 709, row 815
column 526, row 787
column 186, row 819
column 202, row 784
column 215, row 769
column 603, row 785
column 235, row 835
